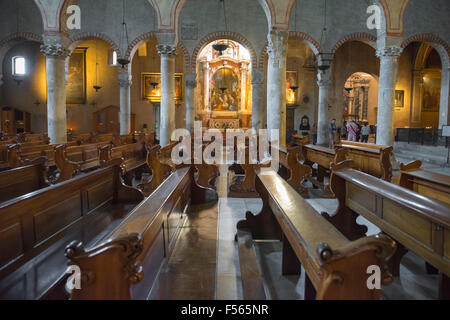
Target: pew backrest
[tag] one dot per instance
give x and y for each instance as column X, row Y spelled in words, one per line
column 420, row 223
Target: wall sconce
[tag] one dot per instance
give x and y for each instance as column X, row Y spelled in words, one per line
column 37, row 103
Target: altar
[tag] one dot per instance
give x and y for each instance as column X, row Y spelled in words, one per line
column 225, row 95
column 224, row 124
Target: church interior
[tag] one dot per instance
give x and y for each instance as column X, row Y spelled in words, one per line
column 344, row 104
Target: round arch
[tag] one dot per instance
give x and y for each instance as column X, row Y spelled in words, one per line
column 217, row 36
column 77, row 39
column 366, row 38
column 312, row 43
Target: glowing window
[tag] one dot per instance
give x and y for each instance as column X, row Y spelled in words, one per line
column 18, row 66
column 114, row 58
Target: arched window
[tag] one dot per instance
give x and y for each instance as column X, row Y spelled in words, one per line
column 18, row 64
column 114, row 58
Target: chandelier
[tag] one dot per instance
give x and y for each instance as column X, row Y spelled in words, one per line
column 222, row 46
column 325, row 58
column 124, row 40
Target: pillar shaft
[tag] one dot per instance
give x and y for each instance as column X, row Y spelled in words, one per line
column 125, row 103
column 167, row 123
column 444, row 114
column 276, row 84
column 55, row 55
column 322, row 118
column 389, row 58
column 191, row 84
column 257, row 83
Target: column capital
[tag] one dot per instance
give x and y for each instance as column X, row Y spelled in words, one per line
column 55, row 50
column 277, row 47
column 324, row 60
column 190, row 80
column 166, row 50
column 257, row 77
column 323, row 78
column 391, row 52
column 56, row 46
column 124, row 80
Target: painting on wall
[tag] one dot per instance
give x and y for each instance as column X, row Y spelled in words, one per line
column 225, row 90
column 431, row 95
column 291, row 81
column 399, row 99
column 76, row 87
column 151, row 86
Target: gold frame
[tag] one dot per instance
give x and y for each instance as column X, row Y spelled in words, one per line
column 79, row 100
column 157, row 98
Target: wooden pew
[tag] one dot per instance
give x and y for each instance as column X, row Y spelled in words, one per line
column 33, row 137
column 243, row 186
column 324, row 157
column 336, row 268
column 134, row 156
column 36, row 227
column 160, row 168
column 417, row 223
column 370, row 158
column 296, row 172
column 427, row 183
column 17, row 155
column 19, row 181
column 124, row 264
column 104, row 137
column 71, row 160
column 299, row 140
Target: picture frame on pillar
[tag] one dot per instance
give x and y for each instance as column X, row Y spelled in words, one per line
column 76, row 86
column 151, row 86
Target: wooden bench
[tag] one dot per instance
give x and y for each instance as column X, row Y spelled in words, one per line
column 19, row 181
column 134, row 156
column 417, row 223
column 160, row 168
column 336, row 268
column 294, row 172
column 370, row 158
column 243, row 186
column 430, row 184
column 36, row 227
column 323, row 157
column 124, row 264
column 71, row 160
column 299, row 140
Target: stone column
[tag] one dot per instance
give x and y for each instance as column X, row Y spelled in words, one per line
column 244, row 70
column 191, row 84
column 257, row 83
column 323, row 82
column 444, row 114
column 389, row 58
column 276, row 83
column 56, row 54
column 125, row 103
column 167, row 123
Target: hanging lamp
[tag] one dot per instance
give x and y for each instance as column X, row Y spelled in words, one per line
column 97, row 87
column 124, row 40
column 325, row 58
column 294, row 88
column 154, row 84
column 222, row 46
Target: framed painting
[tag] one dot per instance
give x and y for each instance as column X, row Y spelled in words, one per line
column 151, row 86
column 291, row 81
column 431, row 95
column 76, row 87
column 399, row 98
